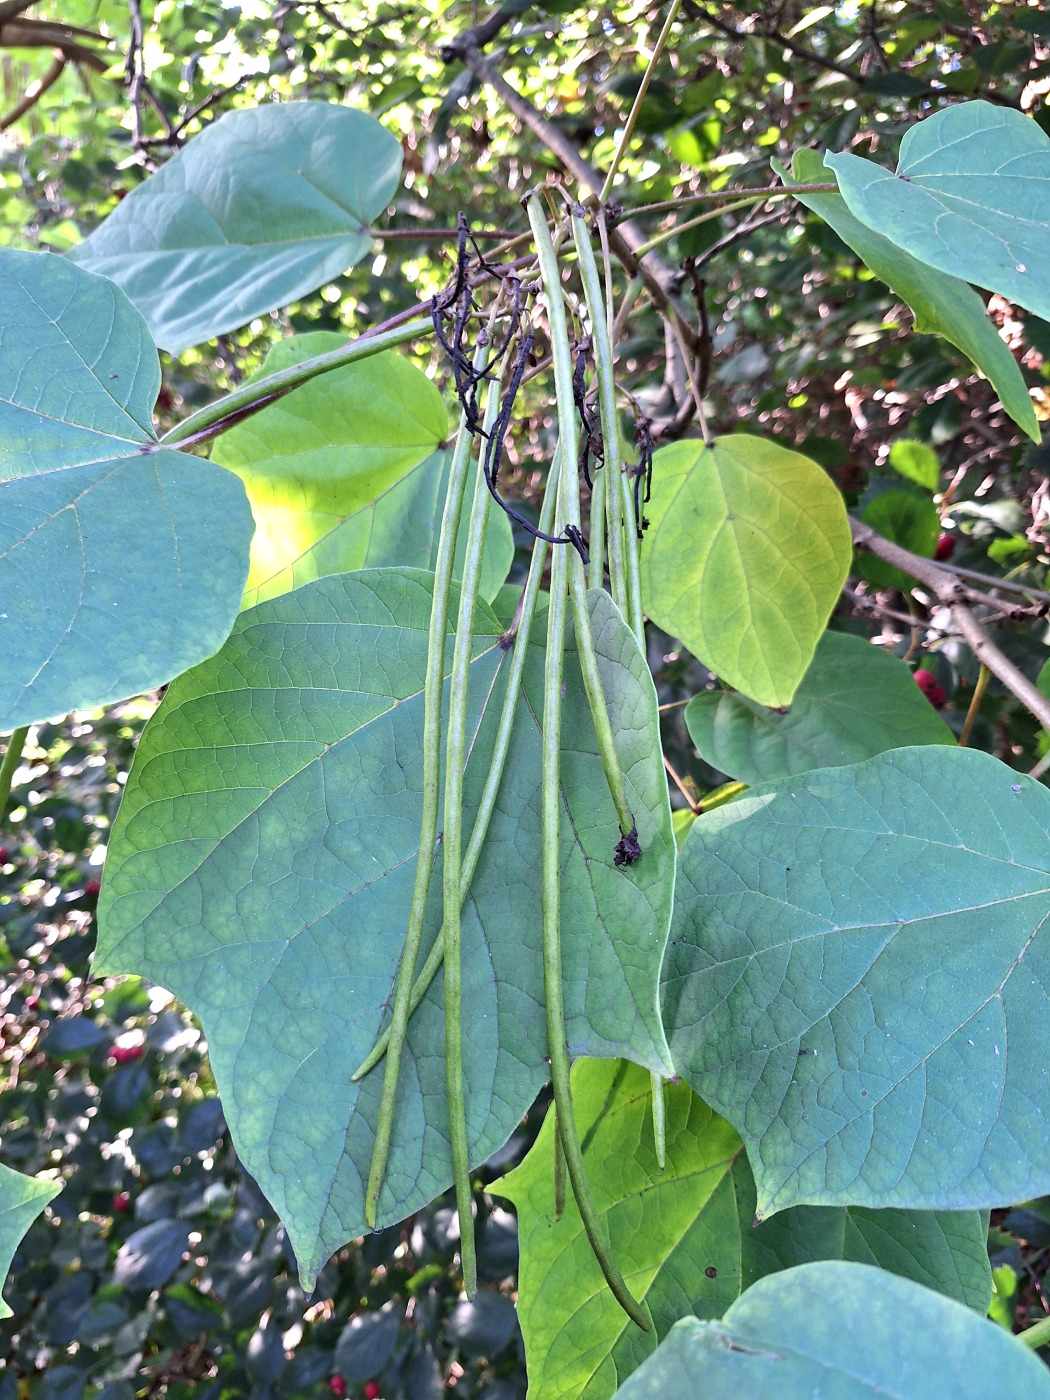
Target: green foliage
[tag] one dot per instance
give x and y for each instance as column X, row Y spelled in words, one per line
column 684, row 1230
column 121, row 563
column 854, row 702
column 844, row 1329
column 854, row 968
column 942, row 305
column 745, row 555
column 297, row 767
column 21, row 1201
column 259, row 209
column 315, row 462
column 908, row 519
column 833, row 961
column 956, row 201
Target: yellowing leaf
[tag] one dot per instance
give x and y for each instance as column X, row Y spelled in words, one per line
column 747, row 550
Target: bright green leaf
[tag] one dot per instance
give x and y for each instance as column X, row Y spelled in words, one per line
column 1003, row 1306
column 942, row 305
column 264, row 206
column 907, row 519
column 917, row 461
column 857, row 962
column 22, row 1198
column 261, row 867
column 855, row 701
column 842, row 1331
column 681, row 820
column 324, row 453
column 746, row 553
column 971, row 197
column 342, row 474
column 121, row 562
column 683, row 1235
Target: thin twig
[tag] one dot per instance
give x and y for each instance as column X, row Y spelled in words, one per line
column 625, row 238
column 990, row 581
column 668, row 206
column 35, row 91
column 680, row 784
column 639, row 98
column 954, row 595
column 135, row 72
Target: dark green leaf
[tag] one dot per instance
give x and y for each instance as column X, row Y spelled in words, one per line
column 121, row 563
column 484, row 1325
column 857, row 963
column 261, row 208
column 971, row 197
column 839, row 1330
column 367, row 1342
column 907, row 519
column 149, row 1257
column 855, row 701
column 293, row 757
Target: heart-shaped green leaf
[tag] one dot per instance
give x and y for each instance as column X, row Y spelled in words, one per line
column 261, row 208
column 683, row 1233
column 121, row 562
column 346, row 473
column 840, row 1330
column 971, row 197
column 855, row 701
column 747, row 550
column 942, row 305
column 918, row 462
column 857, row 972
column 908, row 519
column 262, row 865
column 22, row 1198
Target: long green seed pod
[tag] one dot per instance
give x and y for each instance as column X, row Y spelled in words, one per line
column 568, row 1132
column 569, row 503
column 623, row 530
column 634, row 614
column 431, row 795
column 603, row 362
column 452, row 860
column 12, row 758
column 519, row 646
column 596, row 568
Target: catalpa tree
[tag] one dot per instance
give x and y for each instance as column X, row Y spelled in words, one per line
column 399, row 832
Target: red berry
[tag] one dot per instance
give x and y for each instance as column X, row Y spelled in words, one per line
column 92, row 888
column 372, row 1391
column 120, row 1203
column 945, row 547
column 124, row 1054
column 32, row 1002
column 337, row 1385
column 927, row 683
column 5, row 855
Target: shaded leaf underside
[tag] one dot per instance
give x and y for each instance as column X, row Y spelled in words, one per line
column 293, row 759
column 858, row 960
column 121, row 563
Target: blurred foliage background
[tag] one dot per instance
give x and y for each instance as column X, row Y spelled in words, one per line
column 160, row 1270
